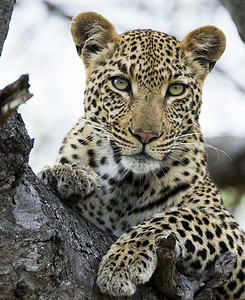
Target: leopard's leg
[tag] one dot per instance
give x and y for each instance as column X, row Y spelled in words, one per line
column 129, row 262
column 132, row 260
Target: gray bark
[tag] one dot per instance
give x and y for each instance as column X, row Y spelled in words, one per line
column 6, row 9
column 236, row 9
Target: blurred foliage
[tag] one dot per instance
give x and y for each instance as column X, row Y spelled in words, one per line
column 234, row 199
column 230, row 195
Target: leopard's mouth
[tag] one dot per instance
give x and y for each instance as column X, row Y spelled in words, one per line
column 140, row 163
column 142, row 160
column 141, row 157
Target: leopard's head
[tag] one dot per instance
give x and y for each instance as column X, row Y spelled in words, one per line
column 143, row 87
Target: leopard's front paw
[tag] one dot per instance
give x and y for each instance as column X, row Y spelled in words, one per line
column 126, row 266
column 70, row 182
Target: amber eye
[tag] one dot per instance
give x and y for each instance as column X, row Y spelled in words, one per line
column 176, row 89
column 120, row 83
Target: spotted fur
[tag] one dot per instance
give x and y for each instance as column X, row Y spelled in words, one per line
column 135, row 163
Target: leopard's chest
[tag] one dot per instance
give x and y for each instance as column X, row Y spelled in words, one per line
column 122, row 195
column 125, row 198
column 121, row 188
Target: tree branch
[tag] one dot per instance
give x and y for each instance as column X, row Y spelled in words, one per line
column 56, row 9
column 12, row 96
column 178, row 286
column 236, row 9
column 6, row 9
column 229, row 77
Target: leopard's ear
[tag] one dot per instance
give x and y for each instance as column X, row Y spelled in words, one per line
column 205, row 45
column 91, row 34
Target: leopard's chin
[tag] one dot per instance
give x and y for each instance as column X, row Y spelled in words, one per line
column 140, row 163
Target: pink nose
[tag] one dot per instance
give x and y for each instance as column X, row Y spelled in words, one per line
column 145, row 137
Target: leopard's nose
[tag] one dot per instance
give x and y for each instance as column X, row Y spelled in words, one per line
column 145, row 137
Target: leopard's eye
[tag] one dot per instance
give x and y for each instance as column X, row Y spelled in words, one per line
column 176, row 89
column 120, row 83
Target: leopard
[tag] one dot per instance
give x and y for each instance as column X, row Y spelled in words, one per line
column 135, row 163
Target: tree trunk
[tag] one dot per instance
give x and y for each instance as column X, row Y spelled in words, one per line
column 236, row 9
column 6, row 9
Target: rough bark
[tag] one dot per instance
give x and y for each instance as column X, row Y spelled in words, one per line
column 48, row 251
column 236, row 9
column 6, row 9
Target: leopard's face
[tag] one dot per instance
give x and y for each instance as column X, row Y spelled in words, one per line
column 143, row 87
column 145, row 83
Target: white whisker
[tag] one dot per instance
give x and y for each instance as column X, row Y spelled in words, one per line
column 153, row 173
column 218, row 150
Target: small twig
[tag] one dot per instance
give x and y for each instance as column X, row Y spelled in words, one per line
column 177, row 286
column 216, row 275
column 12, row 96
column 238, row 86
column 56, row 9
